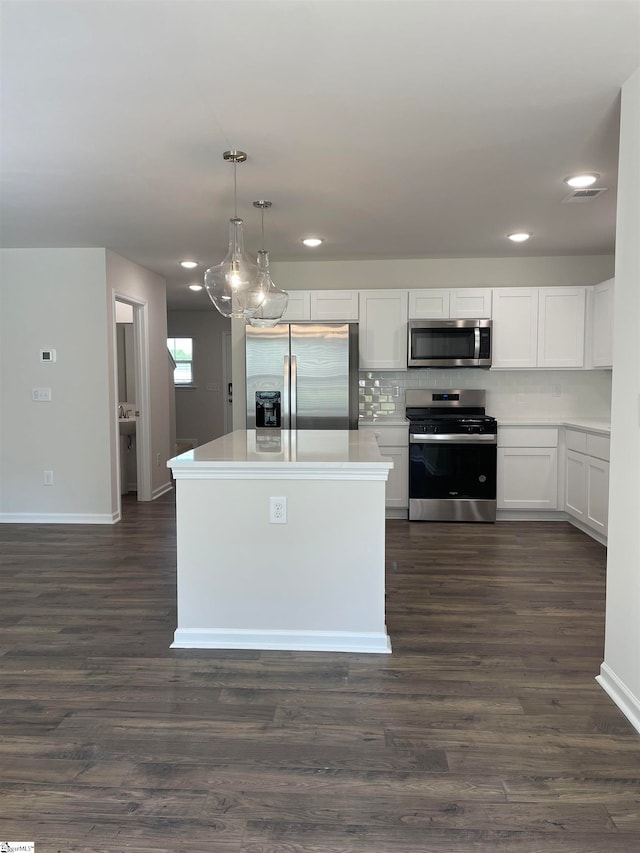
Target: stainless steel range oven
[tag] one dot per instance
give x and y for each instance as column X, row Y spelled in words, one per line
column 452, row 456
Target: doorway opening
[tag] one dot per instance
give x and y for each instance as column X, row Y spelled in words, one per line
column 133, row 441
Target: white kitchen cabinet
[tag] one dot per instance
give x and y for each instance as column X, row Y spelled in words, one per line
column 383, row 330
column 322, row 305
column 541, row 327
column 561, row 326
column 587, row 480
column 393, row 441
column 514, row 337
column 328, row 305
column 455, row 304
column 527, row 468
column 298, row 306
column 601, row 324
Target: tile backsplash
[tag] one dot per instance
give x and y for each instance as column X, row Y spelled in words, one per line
column 510, row 393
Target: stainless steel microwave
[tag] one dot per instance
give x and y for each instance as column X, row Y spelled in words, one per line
column 449, row 343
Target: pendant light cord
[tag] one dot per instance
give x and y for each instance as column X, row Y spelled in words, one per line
column 235, row 190
column 262, row 215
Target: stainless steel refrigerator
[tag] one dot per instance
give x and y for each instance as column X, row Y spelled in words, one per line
column 302, row 376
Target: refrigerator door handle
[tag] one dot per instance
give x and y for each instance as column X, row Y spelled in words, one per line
column 294, row 392
column 286, row 397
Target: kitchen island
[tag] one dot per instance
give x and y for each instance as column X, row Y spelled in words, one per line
column 308, row 574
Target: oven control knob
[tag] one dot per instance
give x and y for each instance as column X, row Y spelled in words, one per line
column 482, row 478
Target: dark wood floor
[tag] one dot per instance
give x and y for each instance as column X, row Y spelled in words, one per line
column 484, row 731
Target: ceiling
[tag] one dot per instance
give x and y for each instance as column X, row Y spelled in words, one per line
column 391, row 129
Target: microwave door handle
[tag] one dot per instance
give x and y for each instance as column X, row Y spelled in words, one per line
column 476, row 341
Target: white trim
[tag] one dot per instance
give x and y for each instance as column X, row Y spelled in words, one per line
column 303, row 641
column 531, row 515
column 594, row 534
column 58, row 518
column 359, row 471
column 620, row 694
column 143, row 400
column 161, row 490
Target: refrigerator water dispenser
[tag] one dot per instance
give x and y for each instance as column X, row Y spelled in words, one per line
column 268, row 409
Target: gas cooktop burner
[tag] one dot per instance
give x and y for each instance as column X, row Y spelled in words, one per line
column 448, row 412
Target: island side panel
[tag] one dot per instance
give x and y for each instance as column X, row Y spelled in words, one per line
column 315, row 582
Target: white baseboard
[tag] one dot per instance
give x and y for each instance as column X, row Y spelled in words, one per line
column 620, row 694
column 300, row 641
column 58, row 518
column 161, row 490
column 530, row 515
column 588, row 530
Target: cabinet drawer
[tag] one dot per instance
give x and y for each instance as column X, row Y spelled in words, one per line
column 527, row 437
column 394, row 436
column 598, row 446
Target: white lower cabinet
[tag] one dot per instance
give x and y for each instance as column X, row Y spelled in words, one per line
column 587, row 479
column 527, row 468
column 393, row 442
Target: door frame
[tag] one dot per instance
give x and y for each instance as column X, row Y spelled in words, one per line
column 143, row 398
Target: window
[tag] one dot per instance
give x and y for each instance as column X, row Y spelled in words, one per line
column 181, row 350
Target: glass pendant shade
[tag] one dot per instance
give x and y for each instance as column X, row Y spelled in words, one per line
column 236, row 286
column 275, row 301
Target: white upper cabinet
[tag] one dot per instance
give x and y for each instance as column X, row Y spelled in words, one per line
column 601, row 324
column 334, row 305
column 514, row 340
column 466, row 303
column 383, row 330
column 538, row 327
column 298, row 306
column 561, row 326
column 322, row 305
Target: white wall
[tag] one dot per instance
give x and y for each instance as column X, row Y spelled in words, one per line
column 54, row 298
column 126, row 279
column 517, row 271
column 200, row 410
column 620, row 674
column 62, row 299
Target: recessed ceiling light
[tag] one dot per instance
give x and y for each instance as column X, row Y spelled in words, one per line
column 188, row 265
column 519, row 236
column 195, row 287
column 312, row 242
column 586, row 179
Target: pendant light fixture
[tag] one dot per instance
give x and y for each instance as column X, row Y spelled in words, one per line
column 275, row 301
column 236, row 286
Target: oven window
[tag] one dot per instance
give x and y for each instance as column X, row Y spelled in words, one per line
column 452, row 471
column 442, row 343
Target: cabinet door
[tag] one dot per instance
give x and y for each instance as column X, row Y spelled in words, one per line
column 561, row 312
column 515, row 323
column 397, row 494
column 298, row 306
column 329, row 305
column 527, row 478
column 597, row 494
column 470, row 303
column 383, row 330
column 602, row 325
column 575, row 484
column 429, row 304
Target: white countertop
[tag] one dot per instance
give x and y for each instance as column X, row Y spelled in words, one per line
column 285, row 454
column 595, row 425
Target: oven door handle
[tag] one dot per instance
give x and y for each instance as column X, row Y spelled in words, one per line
column 463, row 438
column 476, row 342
